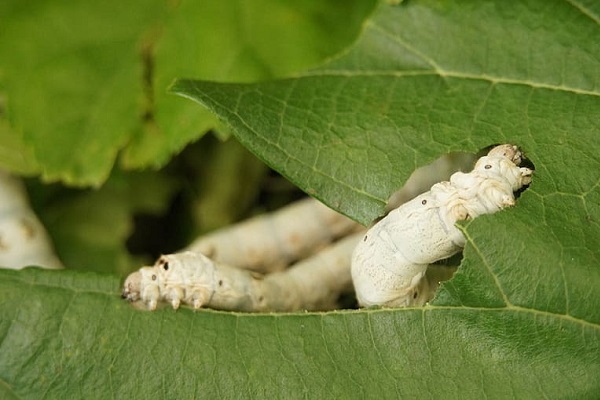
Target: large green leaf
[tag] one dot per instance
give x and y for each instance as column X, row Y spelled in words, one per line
column 79, row 82
column 519, row 320
column 68, row 335
column 426, row 78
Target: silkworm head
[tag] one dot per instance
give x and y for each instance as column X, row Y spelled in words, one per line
column 509, row 151
column 132, row 286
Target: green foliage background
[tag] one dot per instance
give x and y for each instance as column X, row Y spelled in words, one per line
column 84, row 87
column 519, row 320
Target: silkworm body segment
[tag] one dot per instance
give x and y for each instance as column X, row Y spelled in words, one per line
column 271, row 242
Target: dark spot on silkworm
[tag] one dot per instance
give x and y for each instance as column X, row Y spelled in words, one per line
column 166, row 266
column 424, row 202
column 153, row 277
column 365, row 238
column 260, row 299
column 488, row 166
column 220, row 282
column 415, row 295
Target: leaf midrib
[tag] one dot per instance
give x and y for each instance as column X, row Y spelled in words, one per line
column 429, row 308
column 584, row 11
column 444, row 74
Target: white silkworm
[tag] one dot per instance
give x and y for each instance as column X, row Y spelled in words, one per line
column 23, row 239
column 271, row 242
column 194, row 279
column 390, row 261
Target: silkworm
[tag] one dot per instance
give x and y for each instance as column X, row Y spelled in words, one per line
column 271, row 242
column 192, row 278
column 389, row 263
column 23, row 239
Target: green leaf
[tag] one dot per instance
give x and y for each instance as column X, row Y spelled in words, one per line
column 519, row 320
column 351, row 132
column 70, row 74
column 80, row 83
column 227, row 183
column 68, row 334
column 14, row 154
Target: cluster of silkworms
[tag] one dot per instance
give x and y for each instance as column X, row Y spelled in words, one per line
column 318, row 275
column 389, row 265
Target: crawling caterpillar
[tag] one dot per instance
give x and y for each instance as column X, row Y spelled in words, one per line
column 192, row 278
column 390, row 261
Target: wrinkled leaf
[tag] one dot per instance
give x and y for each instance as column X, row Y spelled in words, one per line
column 235, row 41
column 351, row 132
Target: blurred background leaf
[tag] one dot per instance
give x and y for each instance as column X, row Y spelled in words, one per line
column 81, row 82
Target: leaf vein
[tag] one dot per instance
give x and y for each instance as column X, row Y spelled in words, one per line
column 450, row 74
column 408, row 47
column 378, row 353
column 585, row 11
column 486, row 263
